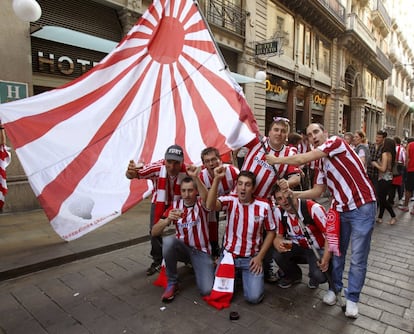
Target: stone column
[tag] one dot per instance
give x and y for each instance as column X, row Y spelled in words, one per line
column 357, row 113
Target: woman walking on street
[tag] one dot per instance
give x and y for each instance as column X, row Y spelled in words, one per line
column 385, row 165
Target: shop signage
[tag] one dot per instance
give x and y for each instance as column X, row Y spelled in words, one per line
column 319, row 102
column 266, row 48
column 276, row 91
column 11, row 91
column 64, row 64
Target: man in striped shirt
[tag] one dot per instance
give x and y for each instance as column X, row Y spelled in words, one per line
column 353, row 196
column 190, row 243
column 247, row 218
column 166, row 175
column 210, row 157
column 255, row 162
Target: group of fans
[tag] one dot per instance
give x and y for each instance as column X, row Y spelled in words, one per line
column 269, row 215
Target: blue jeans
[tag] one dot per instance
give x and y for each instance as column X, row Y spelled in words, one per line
column 253, row 285
column 175, row 250
column 356, row 227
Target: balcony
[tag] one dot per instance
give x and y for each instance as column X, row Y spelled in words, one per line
column 395, row 95
column 226, row 15
column 335, row 8
column 360, row 33
column 381, row 18
column 384, row 63
column 326, row 15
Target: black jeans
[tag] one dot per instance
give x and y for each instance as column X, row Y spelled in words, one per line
column 288, row 262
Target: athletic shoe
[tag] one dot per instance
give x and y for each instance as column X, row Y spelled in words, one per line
column 154, row 268
column 285, row 283
column 351, row 309
column 403, row 208
column 313, row 284
column 169, row 293
column 270, row 275
column 412, row 212
column 329, row 298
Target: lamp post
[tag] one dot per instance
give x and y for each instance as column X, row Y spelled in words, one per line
column 27, row 10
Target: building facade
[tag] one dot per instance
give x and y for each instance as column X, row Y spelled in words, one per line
column 344, row 63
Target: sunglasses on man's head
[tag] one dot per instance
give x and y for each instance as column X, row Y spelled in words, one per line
column 281, row 119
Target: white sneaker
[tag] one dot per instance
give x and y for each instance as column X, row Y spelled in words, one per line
column 329, row 298
column 351, row 309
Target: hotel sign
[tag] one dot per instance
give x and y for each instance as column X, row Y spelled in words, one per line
column 11, row 91
column 266, row 48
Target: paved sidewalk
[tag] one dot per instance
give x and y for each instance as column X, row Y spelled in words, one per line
column 110, row 293
column 28, row 243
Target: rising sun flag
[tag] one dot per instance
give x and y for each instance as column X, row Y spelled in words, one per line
column 164, row 83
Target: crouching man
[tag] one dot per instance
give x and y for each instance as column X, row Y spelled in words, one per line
column 291, row 243
column 190, row 243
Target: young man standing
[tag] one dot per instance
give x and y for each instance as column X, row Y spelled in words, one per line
column 353, row 196
column 166, row 174
column 190, row 243
column 247, row 218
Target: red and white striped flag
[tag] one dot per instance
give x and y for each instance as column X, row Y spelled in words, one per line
column 164, row 83
column 4, row 162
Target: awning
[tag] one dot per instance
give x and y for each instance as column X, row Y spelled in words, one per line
column 241, row 79
column 74, row 38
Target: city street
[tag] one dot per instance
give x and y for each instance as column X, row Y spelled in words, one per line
column 110, row 293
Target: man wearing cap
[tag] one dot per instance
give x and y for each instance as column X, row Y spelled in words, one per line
column 166, row 174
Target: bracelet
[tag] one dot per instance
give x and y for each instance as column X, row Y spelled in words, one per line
column 1, row 128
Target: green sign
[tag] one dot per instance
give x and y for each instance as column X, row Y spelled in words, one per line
column 11, row 91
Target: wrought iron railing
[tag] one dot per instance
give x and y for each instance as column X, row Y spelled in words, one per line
column 336, row 8
column 226, row 15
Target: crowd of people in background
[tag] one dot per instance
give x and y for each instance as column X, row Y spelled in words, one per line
column 268, row 196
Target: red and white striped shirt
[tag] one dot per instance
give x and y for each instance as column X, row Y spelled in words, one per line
column 153, row 171
column 345, row 176
column 245, row 224
column 227, row 183
column 255, row 161
column 316, row 231
column 192, row 229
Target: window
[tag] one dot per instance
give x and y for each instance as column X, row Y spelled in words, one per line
column 300, row 43
column 322, row 55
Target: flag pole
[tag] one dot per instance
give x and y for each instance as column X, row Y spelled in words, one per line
column 211, row 35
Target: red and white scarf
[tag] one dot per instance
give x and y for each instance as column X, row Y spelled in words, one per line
column 223, row 288
column 163, row 198
column 333, row 226
column 4, row 162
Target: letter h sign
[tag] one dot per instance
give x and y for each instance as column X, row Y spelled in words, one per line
column 10, row 91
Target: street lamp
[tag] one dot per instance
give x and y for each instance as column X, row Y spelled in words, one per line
column 27, row 10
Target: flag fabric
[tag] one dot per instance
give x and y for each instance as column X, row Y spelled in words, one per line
column 162, row 279
column 165, row 83
column 4, row 162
